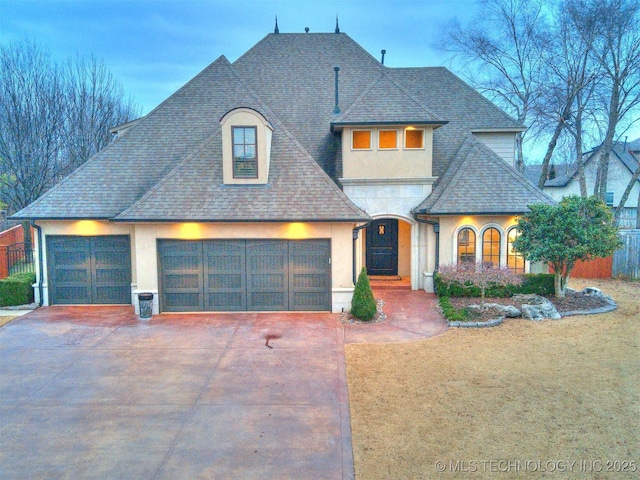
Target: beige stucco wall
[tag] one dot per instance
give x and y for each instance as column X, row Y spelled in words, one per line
column 244, row 117
column 144, row 258
column 396, row 163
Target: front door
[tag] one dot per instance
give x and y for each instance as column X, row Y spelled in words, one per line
column 382, row 247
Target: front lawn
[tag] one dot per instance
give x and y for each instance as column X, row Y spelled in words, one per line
column 486, row 402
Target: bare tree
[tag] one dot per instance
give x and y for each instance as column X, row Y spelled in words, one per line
column 52, row 118
column 501, row 53
column 31, row 116
column 94, row 102
column 614, row 26
column 570, row 77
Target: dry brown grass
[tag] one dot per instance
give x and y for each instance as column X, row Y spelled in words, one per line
column 5, row 320
column 552, row 391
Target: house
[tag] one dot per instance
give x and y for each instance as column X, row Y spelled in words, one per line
column 267, row 183
column 624, row 160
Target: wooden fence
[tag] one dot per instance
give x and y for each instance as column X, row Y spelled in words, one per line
column 626, row 261
column 595, row 268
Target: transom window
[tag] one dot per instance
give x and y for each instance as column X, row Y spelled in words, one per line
column 515, row 260
column 388, row 139
column 466, row 245
column 413, row 138
column 245, row 159
column 491, row 247
column 361, row 140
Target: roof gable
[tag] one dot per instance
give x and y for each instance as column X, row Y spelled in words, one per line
column 469, row 185
column 386, row 102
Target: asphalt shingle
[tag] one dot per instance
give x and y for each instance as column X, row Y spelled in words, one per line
column 470, row 186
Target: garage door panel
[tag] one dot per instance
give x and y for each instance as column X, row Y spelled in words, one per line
column 87, row 270
column 267, row 286
column 225, row 266
column 181, row 275
column 310, row 278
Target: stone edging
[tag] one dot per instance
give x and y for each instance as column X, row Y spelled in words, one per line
column 498, row 321
column 488, row 323
column 595, row 311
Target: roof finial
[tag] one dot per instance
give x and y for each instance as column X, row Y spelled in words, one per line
column 276, row 30
column 337, row 26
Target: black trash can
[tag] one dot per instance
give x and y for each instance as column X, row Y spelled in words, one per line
column 146, row 304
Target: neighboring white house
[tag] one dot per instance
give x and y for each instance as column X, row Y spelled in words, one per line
column 623, row 162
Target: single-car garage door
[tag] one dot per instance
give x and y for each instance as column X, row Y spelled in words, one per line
column 236, row 275
column 86, row 270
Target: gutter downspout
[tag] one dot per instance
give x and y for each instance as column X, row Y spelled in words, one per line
column 356, row 234
column 40, row 263
column 436, row 230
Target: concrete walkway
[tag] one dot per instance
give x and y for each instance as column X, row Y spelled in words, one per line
column 93, row 392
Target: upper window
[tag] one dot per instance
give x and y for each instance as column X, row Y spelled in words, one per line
column 361, row 140
column 609, row 199
column 515, row 260
column 491, row 247
column 413, row 138
column 466, row 245
column 245, row 159
column 388, row 139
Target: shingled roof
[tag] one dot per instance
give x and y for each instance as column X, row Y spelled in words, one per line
column 386, row 102
column 167, row 166
column 479, row 182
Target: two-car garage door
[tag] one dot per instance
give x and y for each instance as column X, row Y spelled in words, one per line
column 235, row 275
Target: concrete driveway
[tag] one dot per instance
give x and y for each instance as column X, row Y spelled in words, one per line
column 93, row 392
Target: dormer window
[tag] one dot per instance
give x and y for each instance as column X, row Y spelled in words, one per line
column 246, row 147
column 245, row 160
column 361, row 140
column 413, row 138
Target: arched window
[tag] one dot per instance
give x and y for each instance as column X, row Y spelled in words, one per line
column 515, row 260
column 491, row 247
column 466, row 245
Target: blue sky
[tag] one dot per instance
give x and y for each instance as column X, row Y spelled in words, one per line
column 155, row 46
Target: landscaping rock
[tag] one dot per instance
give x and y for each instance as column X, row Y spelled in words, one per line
column 596, row 292
column 535, row 307
column 504, row 310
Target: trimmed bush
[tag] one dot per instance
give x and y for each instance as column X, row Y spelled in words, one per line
column 540, row 284
column 363, row 304
column 16, row 289
column 451, row 313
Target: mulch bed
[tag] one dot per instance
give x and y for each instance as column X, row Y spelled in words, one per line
column 574, row 301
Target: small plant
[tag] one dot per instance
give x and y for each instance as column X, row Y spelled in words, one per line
column 452, row 313
column 481, row 276
column 363, row 304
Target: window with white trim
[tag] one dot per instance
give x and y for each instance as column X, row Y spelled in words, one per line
column 245, row 158
column 491, row 247
column 361, row 140
column 466, row 245
column 515, row 260
column 413, row 138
